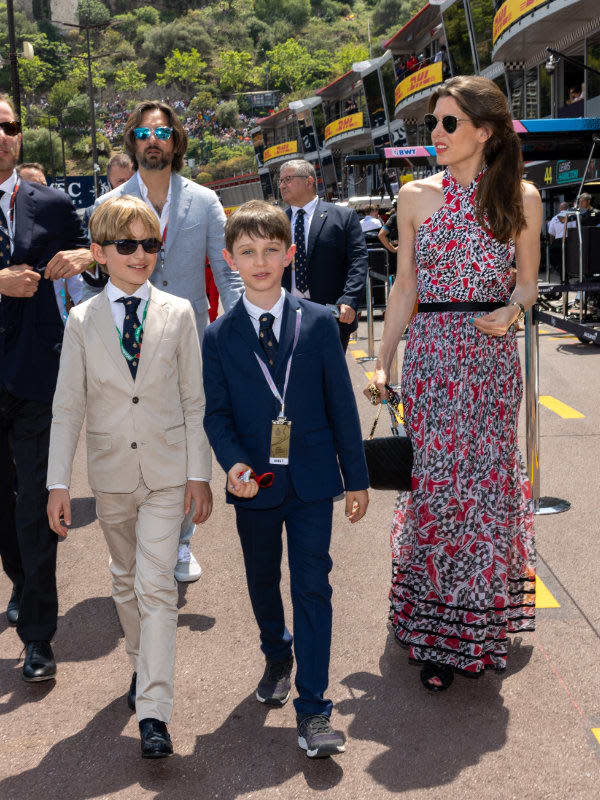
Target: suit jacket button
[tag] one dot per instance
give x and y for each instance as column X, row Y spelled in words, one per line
column 133, row 445
column 165, row 283
column 135, row 399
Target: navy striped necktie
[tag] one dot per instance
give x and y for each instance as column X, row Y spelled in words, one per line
column 300, row 261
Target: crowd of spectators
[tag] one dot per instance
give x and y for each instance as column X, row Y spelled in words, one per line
column 405, row 65
column 114, row 114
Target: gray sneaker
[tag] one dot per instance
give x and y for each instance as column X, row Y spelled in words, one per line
column 187, row 568
column 317, row 737
column 274, row 686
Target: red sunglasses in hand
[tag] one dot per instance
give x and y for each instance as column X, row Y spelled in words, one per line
column 264, row 481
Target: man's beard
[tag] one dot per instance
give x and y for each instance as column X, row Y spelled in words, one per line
column 156, row 162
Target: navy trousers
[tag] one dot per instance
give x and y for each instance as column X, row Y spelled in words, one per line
column 27, row 544
column 308, row 527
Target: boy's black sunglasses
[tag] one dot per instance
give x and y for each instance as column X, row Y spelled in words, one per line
column 449, row 122
column 11, row 128
column 127, row 247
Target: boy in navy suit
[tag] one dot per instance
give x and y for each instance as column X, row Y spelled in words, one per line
column 282, row 420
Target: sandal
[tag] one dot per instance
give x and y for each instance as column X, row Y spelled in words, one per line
column 436, row 677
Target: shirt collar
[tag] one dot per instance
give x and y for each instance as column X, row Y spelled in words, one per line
column 255, row 312
column 309, row 207
column 114, row 293
column 144, row 188
column 9, row 183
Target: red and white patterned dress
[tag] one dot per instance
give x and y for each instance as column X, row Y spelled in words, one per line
column 463, row 540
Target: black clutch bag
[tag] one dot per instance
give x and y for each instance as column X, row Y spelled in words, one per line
column 389, row 458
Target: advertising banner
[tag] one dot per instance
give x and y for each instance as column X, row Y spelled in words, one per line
column 80, row 188
column 419, row 80
column 349, row 123
column 510, row 12
column 282, row 149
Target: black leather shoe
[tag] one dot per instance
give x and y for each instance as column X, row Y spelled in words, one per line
column 131, row 692
column 39, row 662
column 12, row 609
column 156, row 742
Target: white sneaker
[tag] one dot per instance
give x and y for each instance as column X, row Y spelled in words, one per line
column 187, row 568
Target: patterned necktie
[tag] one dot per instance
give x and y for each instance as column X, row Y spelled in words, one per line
column 300, row 257
column 131, row 340
column 4, row 239
column 267, row 337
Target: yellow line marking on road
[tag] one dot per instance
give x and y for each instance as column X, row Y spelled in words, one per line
column 596, row 732
column 358, row 353
column 567, row 336
column 369, row 375
column 560, row 408
column 543, row 596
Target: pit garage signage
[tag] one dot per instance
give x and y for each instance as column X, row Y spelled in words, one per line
column 510, row 12
column 282, row 149
column 419, row 80
column 349, row 123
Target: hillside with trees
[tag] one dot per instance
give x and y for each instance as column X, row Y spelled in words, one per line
column 202, row 56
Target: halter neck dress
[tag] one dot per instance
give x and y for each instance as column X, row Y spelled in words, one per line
column 462, row 541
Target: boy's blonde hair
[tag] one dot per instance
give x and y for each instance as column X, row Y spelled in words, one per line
column 113, row 219
column 258, row 219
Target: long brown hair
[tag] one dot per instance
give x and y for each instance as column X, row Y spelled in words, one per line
column 499, row 198
column 180, row 140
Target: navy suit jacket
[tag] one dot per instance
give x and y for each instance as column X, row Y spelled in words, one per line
column 337, row 257
column 325, row 435
column 31, row 329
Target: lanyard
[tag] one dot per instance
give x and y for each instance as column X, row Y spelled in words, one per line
column 162, row 249
column 267, row 374
column 11, row 214
column 137, row 334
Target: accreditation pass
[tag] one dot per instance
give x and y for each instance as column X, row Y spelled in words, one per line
column 279, row 452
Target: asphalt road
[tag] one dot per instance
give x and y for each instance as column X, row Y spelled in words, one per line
column 527, row 734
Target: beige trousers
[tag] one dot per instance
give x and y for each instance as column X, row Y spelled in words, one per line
column 142, row 532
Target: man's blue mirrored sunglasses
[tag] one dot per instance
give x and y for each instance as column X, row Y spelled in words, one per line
column 161, row 133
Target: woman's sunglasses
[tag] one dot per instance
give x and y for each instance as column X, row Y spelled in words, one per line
column 126, row 247
column 11, row 128
column 449, row 122
column 161, row 133
column 264, row 481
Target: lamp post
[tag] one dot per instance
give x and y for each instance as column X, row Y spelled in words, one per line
column 90, row 83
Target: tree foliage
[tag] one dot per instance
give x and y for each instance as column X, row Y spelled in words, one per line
column 43, row 146
column 128, row 78
column 235, row 71
column 292, row 67
column 184, row 69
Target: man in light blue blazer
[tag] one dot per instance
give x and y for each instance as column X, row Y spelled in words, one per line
column 192, row 222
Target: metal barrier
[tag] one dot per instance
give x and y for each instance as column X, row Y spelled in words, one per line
column 541, row 505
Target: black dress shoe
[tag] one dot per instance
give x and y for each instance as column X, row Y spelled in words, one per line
column 39, row 662
column 12, row 609
column 156, row 742
column 131, row 692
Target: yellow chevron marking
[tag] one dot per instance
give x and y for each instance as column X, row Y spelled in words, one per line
column 543, row 596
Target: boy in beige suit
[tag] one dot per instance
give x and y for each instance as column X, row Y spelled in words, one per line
column 131, row 365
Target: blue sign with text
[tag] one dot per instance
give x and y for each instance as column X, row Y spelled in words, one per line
column 80, row 188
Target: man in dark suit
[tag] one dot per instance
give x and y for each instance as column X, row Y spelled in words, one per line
column 331, row 261
column 35, row 223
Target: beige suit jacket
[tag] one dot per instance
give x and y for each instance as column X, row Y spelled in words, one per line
column 153, row 424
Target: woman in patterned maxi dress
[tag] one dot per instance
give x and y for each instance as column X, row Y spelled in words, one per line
column 462, row 540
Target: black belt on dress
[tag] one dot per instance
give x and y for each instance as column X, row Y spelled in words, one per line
column 424, row 308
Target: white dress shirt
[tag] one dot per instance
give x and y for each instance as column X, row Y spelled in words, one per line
column 164, row 214
column 556, row 227
column 309, row 211
column 370, row 223
column 118, row 309
column 255, row 313
column 7, row 187
column 118, row 313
